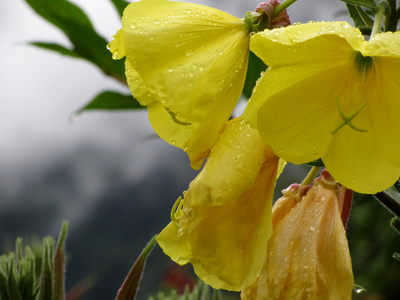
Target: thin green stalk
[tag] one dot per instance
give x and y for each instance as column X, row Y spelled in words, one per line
column 380, row 11
column 310, row 176
column 283, row 6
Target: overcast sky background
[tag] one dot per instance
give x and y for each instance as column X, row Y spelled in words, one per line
column 48, row 159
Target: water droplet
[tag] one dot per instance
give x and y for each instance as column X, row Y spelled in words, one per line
column 74, row 117
column 171, row 70
column 190, row 52
column 133, row 25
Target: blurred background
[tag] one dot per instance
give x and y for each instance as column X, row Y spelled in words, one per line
column 108, row 174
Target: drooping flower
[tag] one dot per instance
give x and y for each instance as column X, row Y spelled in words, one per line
column 187, row 63
column 223, row 224
column 308, row 255
column 329, row 94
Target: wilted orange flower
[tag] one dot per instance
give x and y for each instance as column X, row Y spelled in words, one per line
column 308, row 255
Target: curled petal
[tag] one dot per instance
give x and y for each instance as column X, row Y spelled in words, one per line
column 234, row 224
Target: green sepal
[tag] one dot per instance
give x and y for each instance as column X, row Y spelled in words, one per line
column 75, row 24
column 370, row 4
column 255, row 67
column 110, row 100
column 120, row 5
column 130, row 286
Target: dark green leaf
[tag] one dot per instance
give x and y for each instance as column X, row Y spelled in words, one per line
column 77, row 27
column 120, row 5
column 57, row 48
column 254, row 69
column 370, row 4
column 59, row 263
column 129, row 287
column 110, row 100
column 391, row 199
column 316, row 163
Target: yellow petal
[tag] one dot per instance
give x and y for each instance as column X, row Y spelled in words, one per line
column 227, row 222
column 171, row 241
column 192, row 59
column 295, row 104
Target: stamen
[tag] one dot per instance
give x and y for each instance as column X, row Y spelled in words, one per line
column 176, row 211
column 173, row 116
column 347, row 119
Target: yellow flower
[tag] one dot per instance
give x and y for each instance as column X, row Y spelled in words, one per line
column 225, row 222
column 329, row 94
column 187, row 63
column 308, row 255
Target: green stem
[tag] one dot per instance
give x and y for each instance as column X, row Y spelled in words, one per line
column 283, row 6
column 310, row 176
column 380, row 11
column 391, row 19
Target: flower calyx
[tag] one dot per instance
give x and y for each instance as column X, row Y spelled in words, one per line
column 263, row 17
column 296, row 191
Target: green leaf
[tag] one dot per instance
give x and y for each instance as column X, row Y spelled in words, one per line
column 254, row 69
column 110, row 100
column 360, row 18
column 120, row 5
column 130, row 286
column 370, row 4
column 13, row 282
column 59, row 264
column 46, row 283
column 57, row 48
column 77, row 27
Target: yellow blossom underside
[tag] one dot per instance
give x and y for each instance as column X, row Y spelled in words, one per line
column 225, row 222
column 312, row 78
column 187, row 63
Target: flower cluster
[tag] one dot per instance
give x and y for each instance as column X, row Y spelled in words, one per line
column 327, row 94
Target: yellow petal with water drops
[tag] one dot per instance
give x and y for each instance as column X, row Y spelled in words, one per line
column 329, row 96
column 383, row 93
column 228, row 228
column 231, row 168
column 117, row 45
column 193, row 60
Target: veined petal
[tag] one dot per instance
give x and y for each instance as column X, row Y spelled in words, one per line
column 193, row 60
column 233, row 220
column 323, row 96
